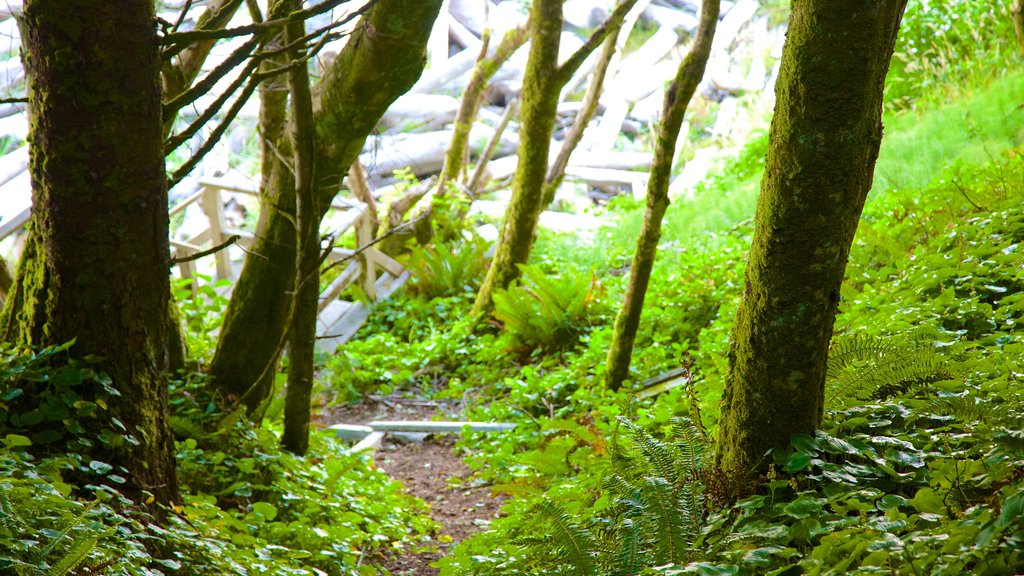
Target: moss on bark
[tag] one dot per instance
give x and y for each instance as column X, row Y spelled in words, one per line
column 677, row 99
column 542, row 83
column 823, row 145
column 541, row 87
column 382, row 59
column 95, row 266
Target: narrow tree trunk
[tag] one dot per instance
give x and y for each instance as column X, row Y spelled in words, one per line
column 591, row 100
column 541, row 88
column 307, row 262
column 381, row 60
column 1017, row 13
column 677, row 99
column 96, row 261
column 823, row 145
column 472, row 98
column 542, row 83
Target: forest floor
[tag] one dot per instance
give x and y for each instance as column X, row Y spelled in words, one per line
column 429, row 470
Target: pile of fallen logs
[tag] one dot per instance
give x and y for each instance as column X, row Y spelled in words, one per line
column 612, row 157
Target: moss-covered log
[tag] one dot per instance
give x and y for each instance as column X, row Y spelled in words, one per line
column 95, row 268
column 381, row 61
column 823, row 144
column 677, row 99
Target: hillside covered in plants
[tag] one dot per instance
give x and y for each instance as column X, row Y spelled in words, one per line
column 204, row 439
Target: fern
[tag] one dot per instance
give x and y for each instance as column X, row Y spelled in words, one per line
column 546, row 310
column 966, row 409
column 570, row 539
column 863, row 368
column 445, row 271
column 658, row 454
column 74, row 557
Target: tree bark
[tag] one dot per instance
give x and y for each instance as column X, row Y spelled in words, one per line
column 541, row 88
column 677, row 99
column 542, row 83
column 95, row 267
column 307, row 262
column 382, row 59
column 823, row 144
column 472, row 98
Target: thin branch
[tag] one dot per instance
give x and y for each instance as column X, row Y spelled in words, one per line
column 14, row 100
column 215, row 135
column 614, row 20
column 182, row 15
column 178, row 139
column 178, row 40
column 205, row 253
column 236, row 58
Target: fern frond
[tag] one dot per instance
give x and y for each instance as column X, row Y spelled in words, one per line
column 966, row 409
column 184, row 427
column 655, row 451
column 860, row 368
column 629, row 549
column 669, row 531
column 690, row 445
column 74, row 557
column 573, row 540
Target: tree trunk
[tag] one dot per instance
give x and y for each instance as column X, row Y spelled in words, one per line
column 541, row 87
column 677, row 99
column 542, row 83
column 472, row 98
column 381, row 60
column 96, row 261
column 307, row 262
column 1017, row 13
column 823, row 144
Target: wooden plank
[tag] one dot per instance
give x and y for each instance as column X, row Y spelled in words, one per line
column 14, row 224
column 663, row 382
column 213, row 206
column 346, row 327
column 433, row 426
column 180, row 206
column 364, row 236
column 369, row 444
column 350, row 432
column 347, row 276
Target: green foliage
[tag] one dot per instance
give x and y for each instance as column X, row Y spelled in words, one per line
column 202, row 314
column 547, row 311
column 249, row 507
column 442, row 271
column 862, row 368
column 945, row 45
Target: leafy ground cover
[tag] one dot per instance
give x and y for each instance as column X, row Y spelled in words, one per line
column 918, row 469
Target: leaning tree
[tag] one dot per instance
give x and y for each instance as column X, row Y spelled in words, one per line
column 823, row 143
column 381, row 60
column 543, row 81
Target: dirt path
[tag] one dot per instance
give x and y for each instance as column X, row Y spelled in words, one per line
column 429, row 470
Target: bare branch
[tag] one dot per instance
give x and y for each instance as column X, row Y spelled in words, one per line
column 614, row 20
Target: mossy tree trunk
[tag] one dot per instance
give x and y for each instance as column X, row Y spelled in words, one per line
column 823, row 144
column 381, row 61
column 542, row 84
column 677, row 99
column 472, row 98
column 302, row 334
column 1017, row 13
column 95, row 267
